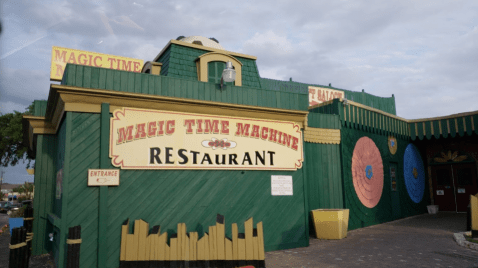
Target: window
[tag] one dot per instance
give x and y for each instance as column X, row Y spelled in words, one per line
column 214, row 71
column 443, row 177
column 464, row 177
column 210, row 66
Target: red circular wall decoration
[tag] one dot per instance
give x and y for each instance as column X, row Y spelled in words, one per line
column 367, row 172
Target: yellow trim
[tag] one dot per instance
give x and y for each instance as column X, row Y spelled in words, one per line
column 444, row 117
column 384, row 124
column 464, row 124
column 456, row 125
column 424, row 130
column 432, row 128
column 203, row 60
column 375, row 110
column 345, row 113
column 448, row 125
column 322, row 135
column 19, row 245
column 184, row 44
column 416, row 130
column 73, row 241
column 153, row 67
column 349, row 113
column 77, row 99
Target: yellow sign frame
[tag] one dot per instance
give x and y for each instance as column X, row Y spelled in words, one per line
column 156, row 139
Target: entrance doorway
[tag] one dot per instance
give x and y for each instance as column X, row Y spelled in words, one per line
column 453, row 184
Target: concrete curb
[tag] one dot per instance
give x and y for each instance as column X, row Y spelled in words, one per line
column 460, row 239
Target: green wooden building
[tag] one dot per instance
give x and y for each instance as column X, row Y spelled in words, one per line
column 71, row 133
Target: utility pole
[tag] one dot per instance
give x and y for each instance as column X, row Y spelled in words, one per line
column 1, row 184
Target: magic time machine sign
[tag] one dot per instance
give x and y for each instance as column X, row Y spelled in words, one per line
column 151, row 139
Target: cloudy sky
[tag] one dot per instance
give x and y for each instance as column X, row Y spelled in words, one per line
column 424, row 52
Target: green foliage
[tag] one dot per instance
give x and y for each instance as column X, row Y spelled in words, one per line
column 12, row 148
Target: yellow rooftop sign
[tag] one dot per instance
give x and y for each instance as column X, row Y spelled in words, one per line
column 61, row 56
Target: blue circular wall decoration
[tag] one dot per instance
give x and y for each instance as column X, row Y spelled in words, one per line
column 414, row 173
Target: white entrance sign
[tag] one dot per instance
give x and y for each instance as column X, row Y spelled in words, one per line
column 281, row 185
column 153, row 139
column 103, row 177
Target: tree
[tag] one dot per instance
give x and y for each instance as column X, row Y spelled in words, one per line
column 12, row 148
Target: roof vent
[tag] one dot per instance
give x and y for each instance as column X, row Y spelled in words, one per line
column 197, row 42
column 214, row 39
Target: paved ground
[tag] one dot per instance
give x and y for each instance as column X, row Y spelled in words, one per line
column 420, row 241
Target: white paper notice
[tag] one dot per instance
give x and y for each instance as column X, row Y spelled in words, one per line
column 281, row 185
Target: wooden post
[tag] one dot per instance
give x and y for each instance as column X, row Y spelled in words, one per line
column 74, row 244
column 28, row 224
column 103, row 191
column 18, row 249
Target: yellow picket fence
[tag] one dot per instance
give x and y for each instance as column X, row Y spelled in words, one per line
column 214, row 249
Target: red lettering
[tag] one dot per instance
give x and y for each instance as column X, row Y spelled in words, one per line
column 152, row 129
column 96, row 64
column 137, row 67
column 211, row 126
column 264, row 132
column 273, row 135
column 280, row 136
column 311, row 92
column 286, row 139
column 111, row 60
column 90, row 60
column 84, row 61
column 126, row 65
column 188, row 123
column 170, row 127
column 224, row 127
column 255, row 131
column 160, row 128
column 125, row 134
column 199, row 124
column 60, row 57
column 59, row 70
column 72, row 58
column 295, row 142
column 140, row 132
column 242, row 130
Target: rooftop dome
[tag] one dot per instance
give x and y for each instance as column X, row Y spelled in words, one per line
column 203, row 41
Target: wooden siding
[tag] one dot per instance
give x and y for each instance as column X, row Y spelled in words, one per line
column 358, row 118
column 172, row 196
column 83, row 200
column 44, row 192
column 361, row 216
column 323, row 166
column 92, row 77
column 39, row 107
column 383, row 104
column 180, row 62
